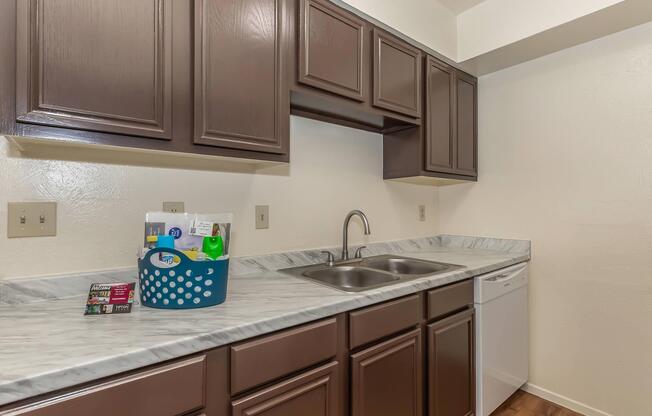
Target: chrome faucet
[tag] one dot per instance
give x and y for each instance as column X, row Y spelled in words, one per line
column 345, row 231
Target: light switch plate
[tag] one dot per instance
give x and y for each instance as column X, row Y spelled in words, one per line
column 262, row 217
column 422, row 213
column 31, row 219
column 173, row 207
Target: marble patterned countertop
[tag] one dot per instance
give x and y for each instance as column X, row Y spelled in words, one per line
column 46, row 343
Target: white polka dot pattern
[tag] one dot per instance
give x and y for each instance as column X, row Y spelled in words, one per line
column 179, row 288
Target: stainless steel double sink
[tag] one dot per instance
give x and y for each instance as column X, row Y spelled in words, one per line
column 372, row 272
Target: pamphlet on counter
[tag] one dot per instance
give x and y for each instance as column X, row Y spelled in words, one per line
column 109, row 298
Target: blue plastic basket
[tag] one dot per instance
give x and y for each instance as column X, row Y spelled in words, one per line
column 186, row 285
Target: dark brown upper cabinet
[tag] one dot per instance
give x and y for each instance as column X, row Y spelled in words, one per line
column 95, row 65
column 451, row 366
column 440, row 125
column 444, row 150
column 397, row 74
column 466, row 155
column 332, row 76
column 202, row 77
column 241, row 98
column 220, row 77
column 332, row 49
column 386, row 379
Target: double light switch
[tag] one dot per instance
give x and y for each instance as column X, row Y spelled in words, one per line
column 31, row 219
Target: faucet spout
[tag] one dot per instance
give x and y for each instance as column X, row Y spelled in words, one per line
column 345, row 231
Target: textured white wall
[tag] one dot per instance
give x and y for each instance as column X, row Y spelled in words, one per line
column 566, row 161
column 101, row 206
column 426, row 21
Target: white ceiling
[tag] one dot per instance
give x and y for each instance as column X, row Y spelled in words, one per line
column 458, row 6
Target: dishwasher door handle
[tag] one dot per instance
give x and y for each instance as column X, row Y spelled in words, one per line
column 504, row 277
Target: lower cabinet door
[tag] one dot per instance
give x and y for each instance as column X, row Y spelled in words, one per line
column 386, row 379
column 451, row 366
column 313, row 393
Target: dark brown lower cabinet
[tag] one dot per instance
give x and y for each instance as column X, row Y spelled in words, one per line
column 451, row 366
column 369, row 362
column 313, row 393
column 386, row 378
column 169, row 390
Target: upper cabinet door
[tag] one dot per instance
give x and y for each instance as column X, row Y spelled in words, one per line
column 397, row 75
column 95, row 65
column 332, row 53
column 439, row 120
column 241, row 94
column 466, row 159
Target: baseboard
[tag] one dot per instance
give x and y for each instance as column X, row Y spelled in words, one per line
column 563, row 401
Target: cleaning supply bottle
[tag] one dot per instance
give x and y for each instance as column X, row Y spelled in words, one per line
column 152, row 241
column 213, row 246
column 166, row 241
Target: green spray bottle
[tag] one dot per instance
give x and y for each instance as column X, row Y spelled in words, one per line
column 213, row 246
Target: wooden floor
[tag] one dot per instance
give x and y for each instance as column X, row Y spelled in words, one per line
column 525, row 404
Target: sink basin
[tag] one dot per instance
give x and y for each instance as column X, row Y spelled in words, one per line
column 361, row 274
column 400, row 265
column 350, row 278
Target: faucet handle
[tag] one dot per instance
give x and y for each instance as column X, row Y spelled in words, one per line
column 330, row 260
column 358, row 252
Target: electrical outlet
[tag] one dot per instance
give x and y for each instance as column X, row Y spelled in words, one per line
column 173, row 207
column 262, row 217
column 31, row 219
column 422, row 212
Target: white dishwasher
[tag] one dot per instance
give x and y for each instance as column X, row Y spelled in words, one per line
column 501, row 331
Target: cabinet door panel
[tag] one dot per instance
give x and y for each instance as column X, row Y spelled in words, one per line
column 440, row 126
column 397, row 75
column 386, row 379
column 466, row 155
column 331, row 49
column 241, row 98
column 313, row 393
column 451, row 366
column 92, row 65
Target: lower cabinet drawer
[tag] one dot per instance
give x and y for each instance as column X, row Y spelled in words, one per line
column 378, row 321
column 313, row 393
column 170, row 390
column 387, row 380
column 279, row 355
column 451, row 298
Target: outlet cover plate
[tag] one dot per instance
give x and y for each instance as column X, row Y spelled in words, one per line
column 171, row 206
column 262, row 217
column 31, row 219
